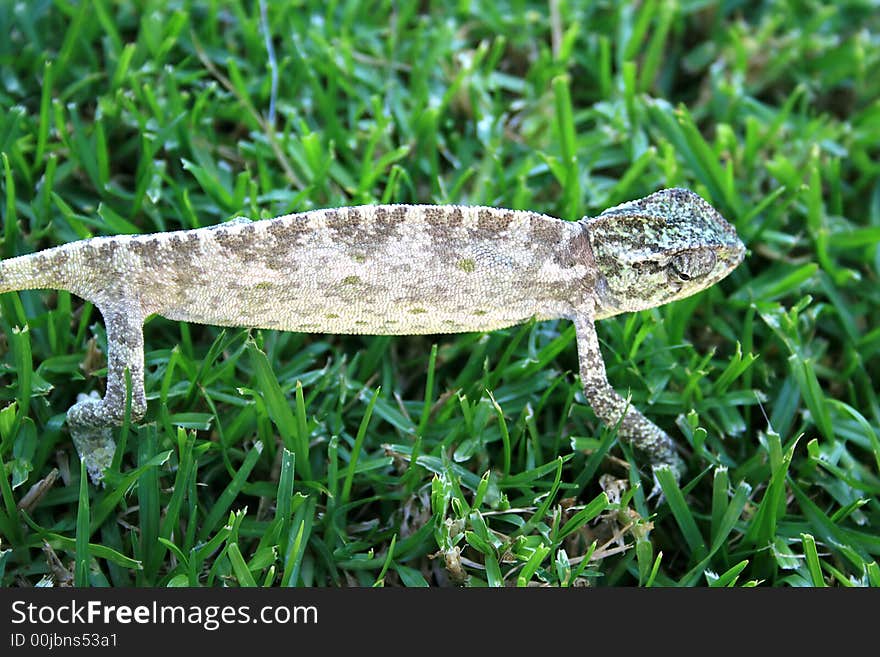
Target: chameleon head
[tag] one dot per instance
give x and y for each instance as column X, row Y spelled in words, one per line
column 664, row 247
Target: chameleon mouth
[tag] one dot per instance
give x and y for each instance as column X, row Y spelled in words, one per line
column 729, row 258
column 732, row 252
column 737, row 253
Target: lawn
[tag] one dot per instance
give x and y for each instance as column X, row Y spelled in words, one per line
column 286, row 459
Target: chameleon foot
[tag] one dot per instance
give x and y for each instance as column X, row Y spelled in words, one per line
column 93, row 440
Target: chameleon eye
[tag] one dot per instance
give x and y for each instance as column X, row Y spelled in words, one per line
column 693, row 264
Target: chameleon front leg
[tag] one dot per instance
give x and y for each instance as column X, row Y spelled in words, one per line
column 91, row 419
column 610, row 406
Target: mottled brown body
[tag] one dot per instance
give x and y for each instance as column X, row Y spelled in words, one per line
column 382, row 270
column 390, row 270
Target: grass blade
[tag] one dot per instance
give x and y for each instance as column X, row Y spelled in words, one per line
column 82, row 556
column 224, row 502
column 358, row 447
column 681, row 511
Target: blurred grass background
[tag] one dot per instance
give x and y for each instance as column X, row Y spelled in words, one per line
column 287, row 459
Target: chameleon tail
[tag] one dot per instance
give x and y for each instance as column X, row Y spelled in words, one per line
column 46, row 270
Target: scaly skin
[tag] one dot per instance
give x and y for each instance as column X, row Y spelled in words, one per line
column 389, row 270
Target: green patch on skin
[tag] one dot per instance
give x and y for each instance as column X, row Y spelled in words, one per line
column 331, row 316
column 264, row 285
column 481, row 312
column 417, row 311
column 351, row 280
column 467, row 265
column 359, row 258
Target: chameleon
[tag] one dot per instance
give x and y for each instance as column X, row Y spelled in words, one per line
column 389, row 270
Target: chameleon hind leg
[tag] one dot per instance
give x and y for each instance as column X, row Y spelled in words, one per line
column 92, row 418
column 612, row 409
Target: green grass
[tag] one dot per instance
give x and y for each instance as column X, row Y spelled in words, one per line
column 288, row 459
